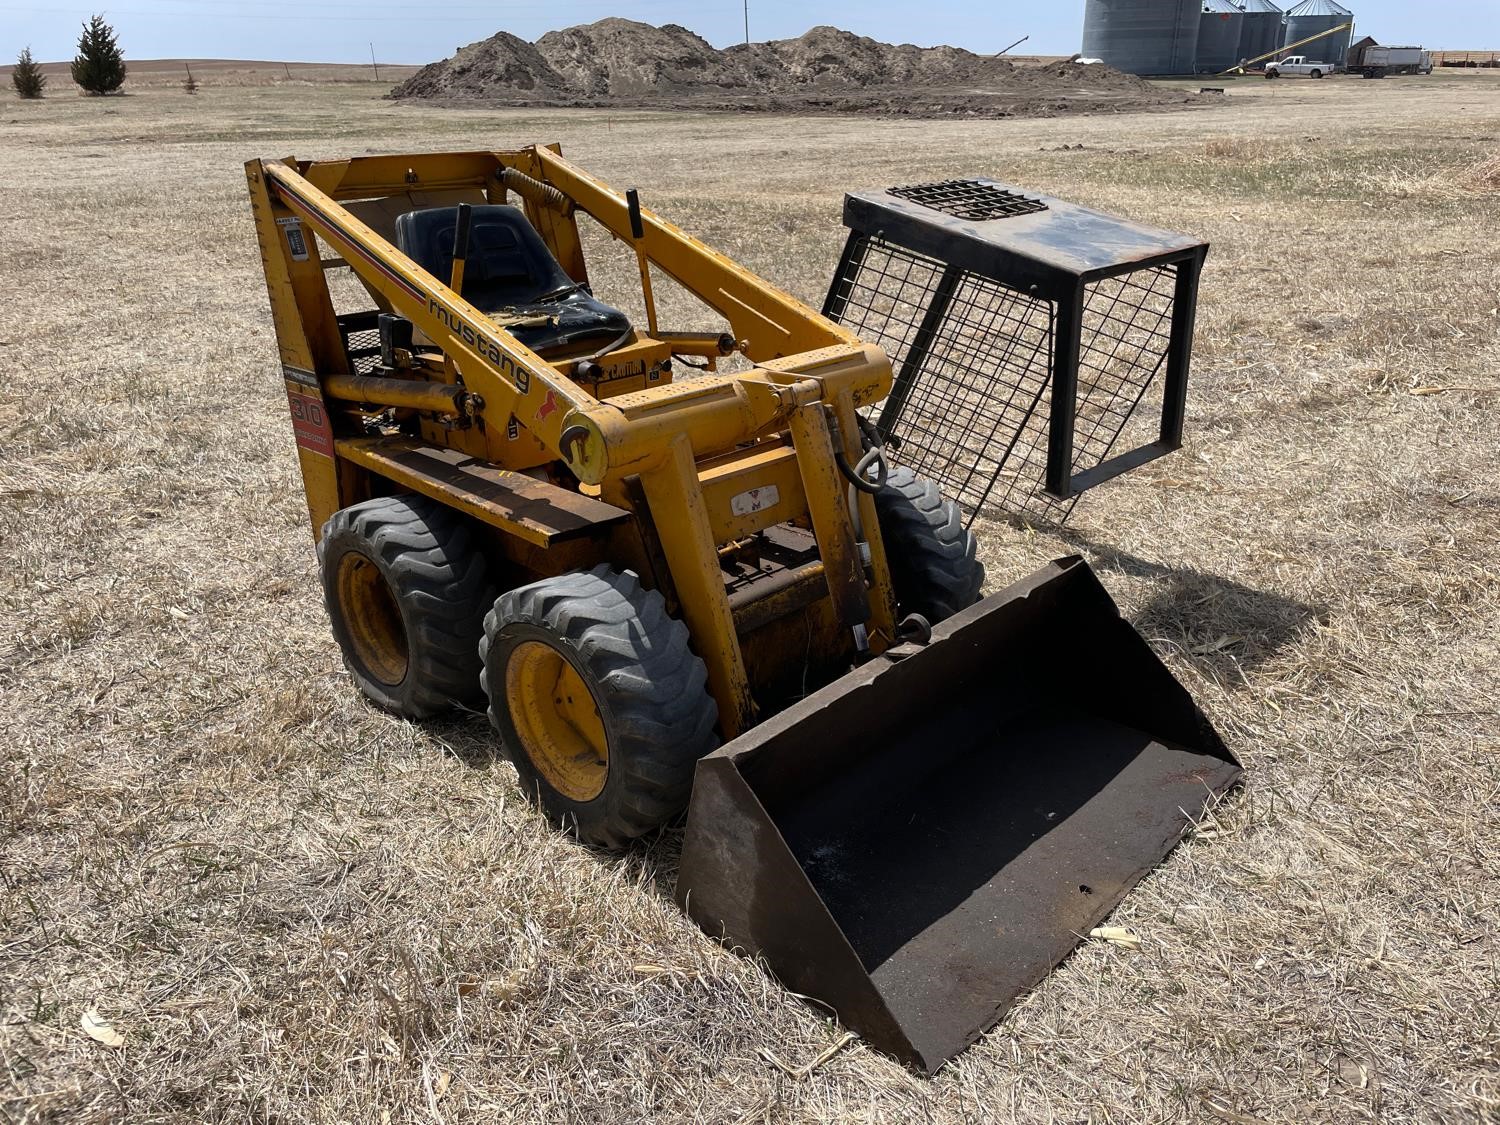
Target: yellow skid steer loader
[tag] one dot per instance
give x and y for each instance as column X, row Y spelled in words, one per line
column 746, row 594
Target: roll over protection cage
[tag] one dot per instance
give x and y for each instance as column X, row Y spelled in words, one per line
column 1025, row 332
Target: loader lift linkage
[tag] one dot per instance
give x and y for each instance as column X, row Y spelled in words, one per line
column 722, row 588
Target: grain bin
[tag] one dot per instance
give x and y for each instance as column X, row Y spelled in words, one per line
column 1143, row 36
column 1218, row 36
column 1312, row 17
column 1260, row 31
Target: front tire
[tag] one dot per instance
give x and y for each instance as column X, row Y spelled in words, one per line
column 406, row 587
column 933, row 558
column 599, row 702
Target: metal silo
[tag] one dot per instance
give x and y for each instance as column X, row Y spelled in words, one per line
column 1219, row 36
column 1312, row 16
column 1260, row 31
column 1143, row 36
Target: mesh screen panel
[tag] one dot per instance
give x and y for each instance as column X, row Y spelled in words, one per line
column 970, row 199
column 973, row 362
column 361, row 333
column 1127, row 327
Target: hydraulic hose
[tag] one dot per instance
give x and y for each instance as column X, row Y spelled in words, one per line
column 857, row 478
column 582, row 367
column 856, row 475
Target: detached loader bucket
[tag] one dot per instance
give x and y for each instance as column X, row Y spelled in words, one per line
column 923, row 840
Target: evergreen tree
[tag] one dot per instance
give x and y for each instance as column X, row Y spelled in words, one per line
column 27, row 77
column 100, row 65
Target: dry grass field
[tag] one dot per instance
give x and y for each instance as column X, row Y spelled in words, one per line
column 295, row 908
column 164, row 74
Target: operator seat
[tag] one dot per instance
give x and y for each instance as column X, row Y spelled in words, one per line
column 510, row 271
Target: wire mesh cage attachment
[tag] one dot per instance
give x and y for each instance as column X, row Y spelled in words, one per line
column 1023, row 344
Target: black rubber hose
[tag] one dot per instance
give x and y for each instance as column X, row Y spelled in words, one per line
column 856, row 474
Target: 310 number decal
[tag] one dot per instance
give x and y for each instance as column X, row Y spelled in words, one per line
column 310, row 423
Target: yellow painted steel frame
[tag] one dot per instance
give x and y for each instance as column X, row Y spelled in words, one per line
column 807, row 368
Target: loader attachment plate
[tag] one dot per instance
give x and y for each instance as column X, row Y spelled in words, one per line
column 922, row 841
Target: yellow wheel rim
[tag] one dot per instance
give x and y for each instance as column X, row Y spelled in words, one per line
column 373, row 619
column 557, row 720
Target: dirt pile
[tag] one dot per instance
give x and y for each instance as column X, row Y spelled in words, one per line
column 829, row 56
column 503, row 63
column 1094, row 76
column 619, row 62
column 623, row 58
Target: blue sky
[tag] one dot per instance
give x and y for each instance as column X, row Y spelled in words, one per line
column 342, row 30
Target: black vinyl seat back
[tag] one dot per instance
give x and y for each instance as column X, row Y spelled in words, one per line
column 510, row 269
column 508, row 263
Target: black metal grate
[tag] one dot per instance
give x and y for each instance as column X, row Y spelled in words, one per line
column 970, row 199
column 1127, row 333
column 361, row 334
column 973, row 361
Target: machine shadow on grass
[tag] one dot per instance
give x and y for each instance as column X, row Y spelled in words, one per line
column 1220, row 627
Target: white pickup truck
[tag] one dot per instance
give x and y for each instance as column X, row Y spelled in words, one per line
column 1299, row 66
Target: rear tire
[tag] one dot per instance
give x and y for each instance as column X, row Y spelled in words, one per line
column 599, row 702
column 406, row 588
column 1317, row 74
column 933, row 557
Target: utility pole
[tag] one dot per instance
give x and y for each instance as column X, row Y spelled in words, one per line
column 747, row 23
column 376, row 65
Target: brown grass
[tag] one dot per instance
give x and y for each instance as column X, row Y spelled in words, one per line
column 295, row 908
column 1482, row 176
column 159, row 74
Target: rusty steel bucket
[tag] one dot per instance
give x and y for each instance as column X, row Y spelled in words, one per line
column 923, row 840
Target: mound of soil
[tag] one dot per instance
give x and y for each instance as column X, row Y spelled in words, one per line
column 619, row 62
column 1092, row 76
column 623, row 58
column 829, row 56
column 503, row 63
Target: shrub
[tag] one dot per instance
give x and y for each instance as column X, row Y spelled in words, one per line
column 27, row 77
column 100, row 65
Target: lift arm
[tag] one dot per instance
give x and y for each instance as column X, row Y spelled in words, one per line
column 801, row 356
